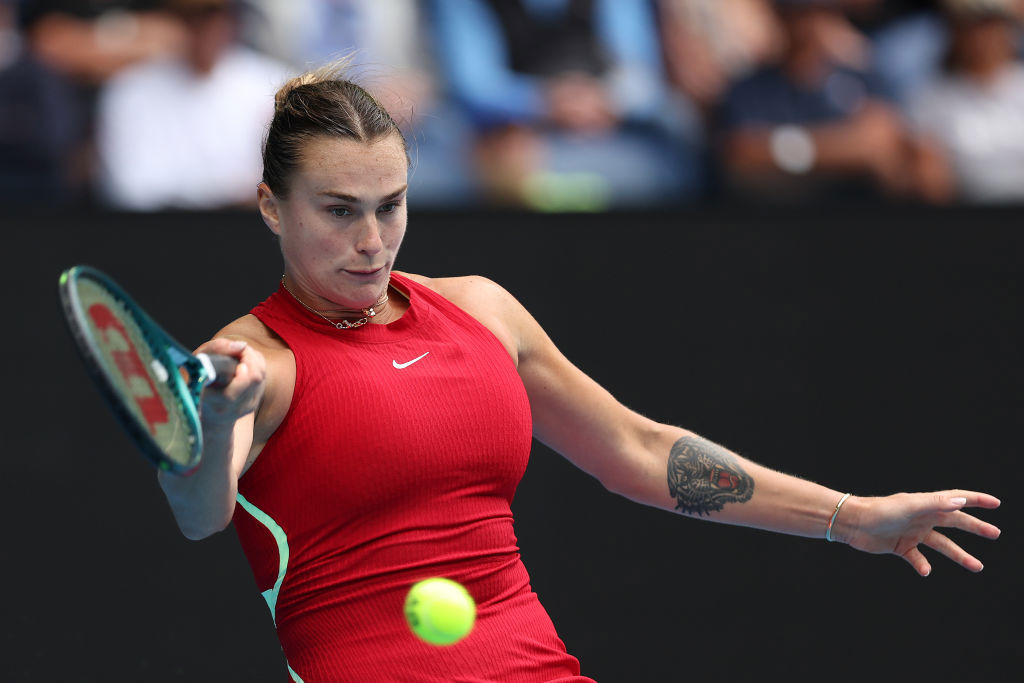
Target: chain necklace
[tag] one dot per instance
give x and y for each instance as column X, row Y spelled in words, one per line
column 345, row 324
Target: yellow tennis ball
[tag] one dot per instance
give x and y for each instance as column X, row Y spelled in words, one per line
column 440, row 611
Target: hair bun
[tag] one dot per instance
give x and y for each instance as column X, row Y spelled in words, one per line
column 281, row 97
column 333, row 71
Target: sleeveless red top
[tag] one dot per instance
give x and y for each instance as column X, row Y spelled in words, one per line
column 397, row 461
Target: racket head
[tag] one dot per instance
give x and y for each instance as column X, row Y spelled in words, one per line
column 135, row 365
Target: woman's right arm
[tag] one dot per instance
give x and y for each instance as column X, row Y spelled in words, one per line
column 203, row 503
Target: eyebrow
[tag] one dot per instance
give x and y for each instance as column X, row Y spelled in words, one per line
column 355, row 200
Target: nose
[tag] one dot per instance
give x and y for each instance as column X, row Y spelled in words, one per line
column 369, row 241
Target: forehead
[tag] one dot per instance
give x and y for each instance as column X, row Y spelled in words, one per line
column 341, row 164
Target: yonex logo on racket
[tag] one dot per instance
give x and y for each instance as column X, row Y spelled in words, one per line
column 115, row 341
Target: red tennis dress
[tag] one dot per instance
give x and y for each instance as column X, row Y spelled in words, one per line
column 397, row 461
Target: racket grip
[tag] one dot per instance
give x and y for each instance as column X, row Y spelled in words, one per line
column 223, row 369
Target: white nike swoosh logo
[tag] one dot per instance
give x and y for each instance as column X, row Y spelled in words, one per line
column 400, row 366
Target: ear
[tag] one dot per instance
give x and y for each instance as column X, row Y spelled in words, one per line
column 269, row 207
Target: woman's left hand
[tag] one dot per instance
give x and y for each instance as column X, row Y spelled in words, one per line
column 899, row 523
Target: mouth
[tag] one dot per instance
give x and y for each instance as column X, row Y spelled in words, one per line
column 368, row 272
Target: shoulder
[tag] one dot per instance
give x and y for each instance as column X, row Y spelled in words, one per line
column 462, row 286
column 486, row 301
column 470, row 292
column 251, row 330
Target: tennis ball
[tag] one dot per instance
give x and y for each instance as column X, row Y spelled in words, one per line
column 440, row 611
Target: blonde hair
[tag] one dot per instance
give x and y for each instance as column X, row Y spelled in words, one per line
column 323, row 102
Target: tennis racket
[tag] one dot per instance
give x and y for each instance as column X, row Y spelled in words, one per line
column 151, row 382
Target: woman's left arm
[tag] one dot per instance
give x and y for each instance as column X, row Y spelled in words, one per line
column 674, row 469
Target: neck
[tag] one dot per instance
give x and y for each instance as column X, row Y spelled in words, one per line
column 342, row 317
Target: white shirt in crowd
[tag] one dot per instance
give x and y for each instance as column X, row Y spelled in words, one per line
column 169, row 137
column 981, row 127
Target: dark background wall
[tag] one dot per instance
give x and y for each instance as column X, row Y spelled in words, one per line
column 873, row 351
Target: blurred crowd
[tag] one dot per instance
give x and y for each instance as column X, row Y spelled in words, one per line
column 542, row 104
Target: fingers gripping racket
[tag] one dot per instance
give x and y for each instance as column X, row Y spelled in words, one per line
column 138, row 369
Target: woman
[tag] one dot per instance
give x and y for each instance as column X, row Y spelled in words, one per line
column 379, row 422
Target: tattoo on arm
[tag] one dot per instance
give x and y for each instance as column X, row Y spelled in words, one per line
column 703, row 477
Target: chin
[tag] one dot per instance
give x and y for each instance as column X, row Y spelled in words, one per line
column 364, row 296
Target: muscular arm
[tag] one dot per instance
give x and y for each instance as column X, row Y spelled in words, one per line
column 674, row 469
column 665, row 466
column 705, row 479
column 651, row 463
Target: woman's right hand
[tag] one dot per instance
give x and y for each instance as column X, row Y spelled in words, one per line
column 203, row 502
column 223, row 406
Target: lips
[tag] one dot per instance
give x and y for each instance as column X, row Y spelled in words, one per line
column 364, row 273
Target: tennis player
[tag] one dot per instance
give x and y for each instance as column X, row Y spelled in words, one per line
column 379, row 422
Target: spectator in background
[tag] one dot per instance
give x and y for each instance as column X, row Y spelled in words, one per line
column 569, row 100
column 38, row 123
column 91, row 40
column 390, row 54
column 975, row 109
column 185, row 132
column 818, row 125
column 708, row 44
column 87, row 42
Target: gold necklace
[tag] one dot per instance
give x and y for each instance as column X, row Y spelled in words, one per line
column 345, row 324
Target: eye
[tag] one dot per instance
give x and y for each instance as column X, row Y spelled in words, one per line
column 390, row 207
column 339, row 211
